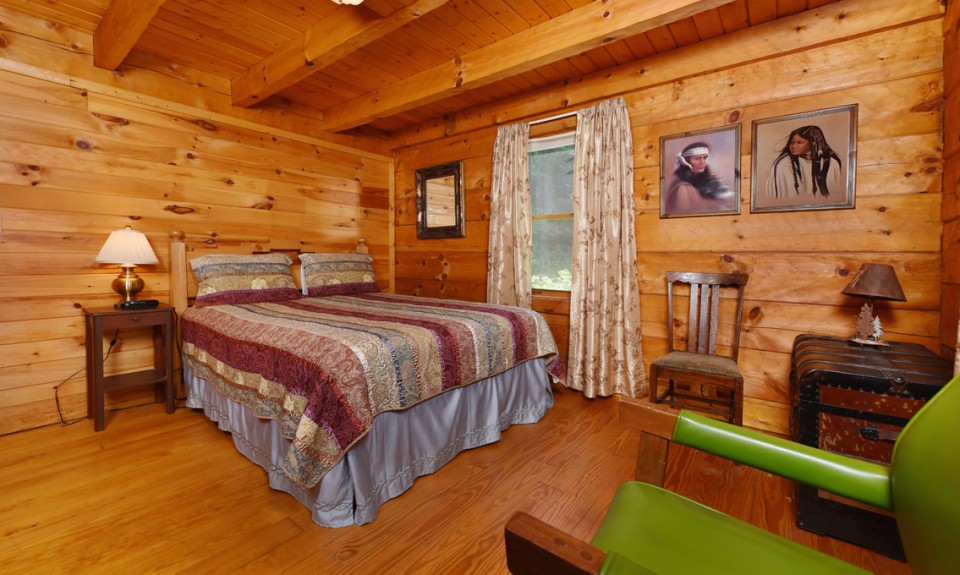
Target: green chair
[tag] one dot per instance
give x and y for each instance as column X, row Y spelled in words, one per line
column 651, row 530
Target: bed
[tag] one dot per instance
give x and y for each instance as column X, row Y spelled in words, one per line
column 345, row 394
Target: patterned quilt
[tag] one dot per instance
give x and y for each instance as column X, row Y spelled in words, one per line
column 325, row 367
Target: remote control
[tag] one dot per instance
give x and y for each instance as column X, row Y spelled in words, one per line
column 139, row 304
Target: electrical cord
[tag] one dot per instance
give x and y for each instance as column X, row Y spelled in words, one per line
column 56, row 388
column 113, row 342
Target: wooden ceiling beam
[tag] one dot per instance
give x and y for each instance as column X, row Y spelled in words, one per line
column 579, row 30
column 121, row 27
column 348, row 29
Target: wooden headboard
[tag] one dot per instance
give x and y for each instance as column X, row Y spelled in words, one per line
column 183, row 284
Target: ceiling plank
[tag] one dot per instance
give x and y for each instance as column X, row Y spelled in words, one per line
column 347, row 30
column 122, row 25
column 577, row 31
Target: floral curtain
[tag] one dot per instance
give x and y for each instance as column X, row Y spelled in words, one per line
column 604, row 355
column 510, row 250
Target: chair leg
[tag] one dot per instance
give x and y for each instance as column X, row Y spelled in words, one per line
column 738, row 402
column 670, row 395
column 720, row 398
column 670, row 392
column 652, row 391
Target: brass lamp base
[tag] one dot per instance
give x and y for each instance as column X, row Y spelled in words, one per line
column 127, row 284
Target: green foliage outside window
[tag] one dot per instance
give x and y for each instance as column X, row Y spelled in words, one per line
column 560, row 282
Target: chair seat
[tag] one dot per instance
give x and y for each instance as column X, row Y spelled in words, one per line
column 704, row 363
column 643, row 522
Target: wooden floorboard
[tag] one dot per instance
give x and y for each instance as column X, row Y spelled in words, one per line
column 165, row 493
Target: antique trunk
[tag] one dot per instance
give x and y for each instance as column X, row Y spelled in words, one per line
column 854, row 399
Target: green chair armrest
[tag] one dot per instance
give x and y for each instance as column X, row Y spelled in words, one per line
column 857, row 479
column 617, row 564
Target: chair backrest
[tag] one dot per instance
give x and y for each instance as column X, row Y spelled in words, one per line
column 925, row 479
column 703, row 319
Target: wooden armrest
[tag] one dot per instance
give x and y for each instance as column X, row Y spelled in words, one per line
column 653, row 418
column 537, row 548
column 655, row 422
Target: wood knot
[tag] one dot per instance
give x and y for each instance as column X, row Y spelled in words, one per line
column 208, row 126
column 112, row 119
column 179, row 210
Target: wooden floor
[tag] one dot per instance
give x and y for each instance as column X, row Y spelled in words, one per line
column 169, row 494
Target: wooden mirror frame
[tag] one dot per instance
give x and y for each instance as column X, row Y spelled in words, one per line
column 424, row 176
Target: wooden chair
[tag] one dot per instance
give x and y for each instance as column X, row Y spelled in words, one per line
column 697, row 377
column 648, row 529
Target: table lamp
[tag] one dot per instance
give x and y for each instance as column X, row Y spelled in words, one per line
column 128, row 248
column 873, row 281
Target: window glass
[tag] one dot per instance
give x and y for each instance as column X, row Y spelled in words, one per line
column 551, row 180
column 551, row 190
column 552, row 253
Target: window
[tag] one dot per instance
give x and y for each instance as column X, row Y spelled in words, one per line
column 551, row 190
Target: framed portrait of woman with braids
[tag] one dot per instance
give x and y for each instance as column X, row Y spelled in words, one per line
column 805, row 161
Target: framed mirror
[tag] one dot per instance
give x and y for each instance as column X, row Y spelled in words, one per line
column 440, row 201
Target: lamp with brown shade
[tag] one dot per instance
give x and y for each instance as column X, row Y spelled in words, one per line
column 873, row 281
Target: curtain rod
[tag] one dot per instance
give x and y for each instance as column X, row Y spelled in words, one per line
column 551, row 118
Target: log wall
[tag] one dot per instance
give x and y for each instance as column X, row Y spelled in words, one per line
column 884, row 57
column 81, row 153
column 950, row 306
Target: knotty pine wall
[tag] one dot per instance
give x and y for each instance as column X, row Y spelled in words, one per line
column 883, row 55
column 950, row 308
column 79, row 158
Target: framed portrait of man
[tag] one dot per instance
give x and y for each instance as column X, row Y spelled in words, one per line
column 700, row 173
column 805, row 161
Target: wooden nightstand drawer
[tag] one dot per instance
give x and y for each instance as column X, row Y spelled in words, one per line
column 132, row 319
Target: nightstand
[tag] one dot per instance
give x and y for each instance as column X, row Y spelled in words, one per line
column 100, row 320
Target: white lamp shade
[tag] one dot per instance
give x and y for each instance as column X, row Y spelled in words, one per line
column 127, row 247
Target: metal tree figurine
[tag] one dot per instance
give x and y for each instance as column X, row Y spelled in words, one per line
column 877, row 330
column 866, row 327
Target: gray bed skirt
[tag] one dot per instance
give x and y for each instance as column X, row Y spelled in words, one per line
column 401, row 446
